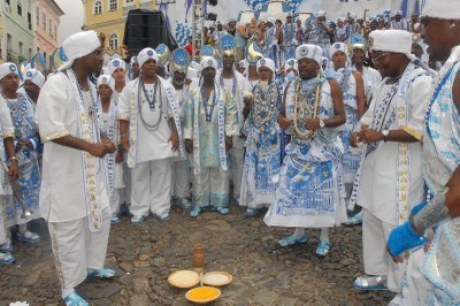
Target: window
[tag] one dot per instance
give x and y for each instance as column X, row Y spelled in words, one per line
column 50, row 27
column 21, row 48
column 113, row 5
column 37, row 13
column 97, row 7
column 44, row 21
column 113, row 41
column 20, row 7
column 29, row 20
column 128, row 2
column 30, row 54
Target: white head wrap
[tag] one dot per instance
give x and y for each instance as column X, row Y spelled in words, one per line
column 8, row 68
column 208, row 62
column 291, row 64
column 145, row 55
column 106, row 80
column 338, row 47
column 272, row 20
column 115, row 64
column 399, row 12
column 192, row 73
column 133, row 60
column 308, row 51
column 35, row 77
column 442, row 9
column 267, row 63
column 395, row 41
column 321, row 14
column 78, row 45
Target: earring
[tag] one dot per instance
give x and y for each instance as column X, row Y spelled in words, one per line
column 452, row 26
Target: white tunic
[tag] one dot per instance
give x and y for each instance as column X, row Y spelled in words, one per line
column 151, row 145
column 378, row 182
column 62, row 193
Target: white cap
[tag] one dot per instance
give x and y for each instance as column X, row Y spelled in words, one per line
column 106, row 80
column 272, row 20
column 8, row 68
column 291, row 64
column 321, row 14
column 115, row 64
column 395, row 41
column 208, row 62
column 267, row 63
column 192, row 73
column 338, row 47
column 308, row 51
column 145, row 55
column 35, row 77
column 442, row 9
column 133, row 60
column 78, row 45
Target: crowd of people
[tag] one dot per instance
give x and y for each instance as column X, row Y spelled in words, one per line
column 304, row 125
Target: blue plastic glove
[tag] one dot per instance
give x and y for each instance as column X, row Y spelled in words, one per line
column 416, row 209
column 404, row 238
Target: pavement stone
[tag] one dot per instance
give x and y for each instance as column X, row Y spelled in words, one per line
column 146, row 255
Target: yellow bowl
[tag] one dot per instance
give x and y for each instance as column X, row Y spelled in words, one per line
column 184, row 279
column 203, row 295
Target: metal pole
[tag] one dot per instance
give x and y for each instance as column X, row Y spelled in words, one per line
column 203, row 7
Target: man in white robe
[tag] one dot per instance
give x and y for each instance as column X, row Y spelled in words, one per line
column 7, row 128
column 389, row 182
column 148, row 108
column 73, row 195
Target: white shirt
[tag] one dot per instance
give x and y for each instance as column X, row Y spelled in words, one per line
column 151, row 144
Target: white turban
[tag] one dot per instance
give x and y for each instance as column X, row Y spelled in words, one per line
column 35, row 77
column 395, row 41
column 78, row 45
column 308, row 51
column 291, row 64
column 115, row 64
column 321, row 14
column 192, row 73
column 7, row 68
column 133, row 60
column 442, row 9
column 272, row 20
column 145, row 55
column 267, row 63
column 338, row 47
column 208, row 62
column 106, row 80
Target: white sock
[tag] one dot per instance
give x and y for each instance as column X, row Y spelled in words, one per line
column 66, row 292
column 299, row 232
column 324, row 234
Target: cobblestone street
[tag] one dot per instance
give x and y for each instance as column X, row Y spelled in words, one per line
column 145, row 256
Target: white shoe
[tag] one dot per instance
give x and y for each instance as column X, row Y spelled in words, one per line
column 28, row 237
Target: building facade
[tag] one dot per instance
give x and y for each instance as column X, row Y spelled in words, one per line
column 17, row 43
column 108, row 17
column 46, row 21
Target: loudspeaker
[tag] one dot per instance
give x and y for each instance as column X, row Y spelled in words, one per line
column 146, row 28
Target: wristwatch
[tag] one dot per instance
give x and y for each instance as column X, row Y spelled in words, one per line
column 321, row 123
column 385, row 134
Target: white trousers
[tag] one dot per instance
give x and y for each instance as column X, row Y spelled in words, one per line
column 180, row 179
column 377, row 261
column 237, row 164
column 150, row 188
column 77, row 249
column 415, row 286
column 115, row 200
column 125, row 194
column 3, row 222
